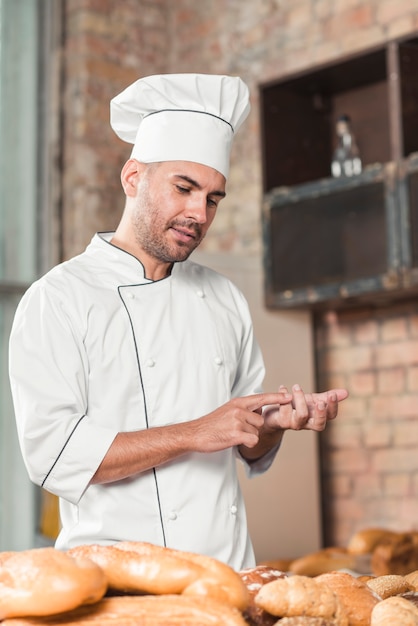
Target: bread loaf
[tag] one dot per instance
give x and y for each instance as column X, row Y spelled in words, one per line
column 356, row 598
column 394, row 611
column 140, row 567
column 396, row 556
column 254, row 578
column 301, row 596
column 325, row 560
column 45, row 581
column 389, row 585
column 364, row 541
column 163, row 610
column 412, row 578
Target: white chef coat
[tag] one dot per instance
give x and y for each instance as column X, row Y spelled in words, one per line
column 95, row 349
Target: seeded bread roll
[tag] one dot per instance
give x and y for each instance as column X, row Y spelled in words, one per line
column 389, row 585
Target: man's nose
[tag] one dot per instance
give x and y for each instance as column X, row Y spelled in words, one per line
column 197, row 210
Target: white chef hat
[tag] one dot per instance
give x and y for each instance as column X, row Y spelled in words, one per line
column 181, row 117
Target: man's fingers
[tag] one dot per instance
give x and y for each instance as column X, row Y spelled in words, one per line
column 299, row 402
column 257, row 401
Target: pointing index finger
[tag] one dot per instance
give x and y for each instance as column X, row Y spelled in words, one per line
column 255, row 402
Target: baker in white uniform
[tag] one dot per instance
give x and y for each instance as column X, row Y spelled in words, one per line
column 135, row 374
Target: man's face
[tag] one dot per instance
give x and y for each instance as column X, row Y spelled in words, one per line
column 175, row 204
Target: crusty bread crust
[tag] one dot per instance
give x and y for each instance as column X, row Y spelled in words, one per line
column 389, row 585
column 325, row 560
column 141, row 567
column 301, row 595
column 393, row 611
column 364, row 541
column 357, row 599
column 162, row 610
column 44, row 581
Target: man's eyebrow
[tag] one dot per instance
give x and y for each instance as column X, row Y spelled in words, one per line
column 197, row 185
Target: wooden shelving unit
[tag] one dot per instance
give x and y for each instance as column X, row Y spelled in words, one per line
column 335, row 242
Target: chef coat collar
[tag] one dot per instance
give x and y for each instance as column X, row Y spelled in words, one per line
column 132, row 269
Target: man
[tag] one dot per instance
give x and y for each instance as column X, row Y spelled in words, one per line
column 135, row 373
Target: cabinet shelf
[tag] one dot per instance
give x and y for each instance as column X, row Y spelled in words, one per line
column 337, row 241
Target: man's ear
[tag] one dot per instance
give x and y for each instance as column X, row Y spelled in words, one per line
column 130, row 175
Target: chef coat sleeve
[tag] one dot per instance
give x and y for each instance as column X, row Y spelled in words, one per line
column 261, row 465
column 61, row 447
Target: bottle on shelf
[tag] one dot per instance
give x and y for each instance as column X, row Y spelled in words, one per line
column 346, row 159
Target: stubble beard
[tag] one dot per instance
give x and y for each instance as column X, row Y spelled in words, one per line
column 152, row 232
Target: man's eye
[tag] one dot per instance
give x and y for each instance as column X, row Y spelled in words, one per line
column 182, row 189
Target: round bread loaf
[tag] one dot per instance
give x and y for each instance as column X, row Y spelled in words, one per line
column 394, row 611
column 45, row 581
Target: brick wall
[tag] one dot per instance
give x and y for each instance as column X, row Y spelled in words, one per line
column 107, row 45
column 369, row 458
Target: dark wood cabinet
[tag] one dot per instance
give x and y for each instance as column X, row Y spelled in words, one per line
column 333, row 242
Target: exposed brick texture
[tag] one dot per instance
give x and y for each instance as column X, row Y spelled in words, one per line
column 369, row 454
column 372, row 447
